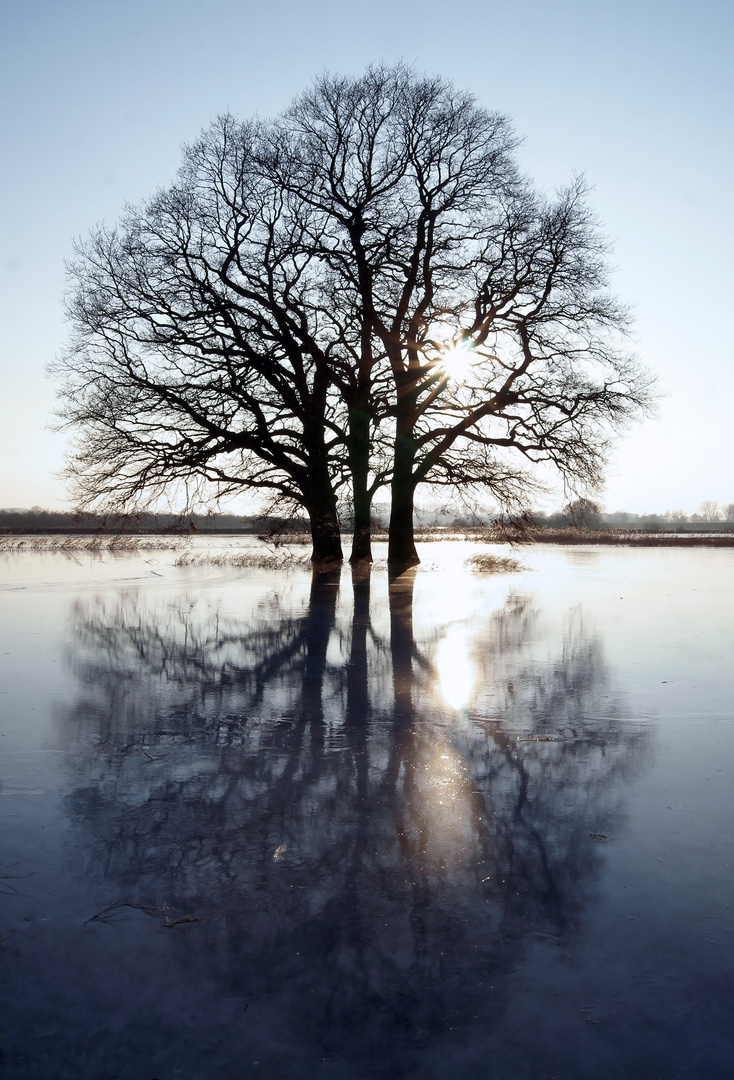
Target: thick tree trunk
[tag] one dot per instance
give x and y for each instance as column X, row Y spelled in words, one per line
column 325, row 535
column 319, row 495
column 401, row 552
column 359, row 464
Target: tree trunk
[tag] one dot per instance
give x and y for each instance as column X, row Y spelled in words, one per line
column 359, row 464
column 319, row 494
column 325, row 535
column 401, row 552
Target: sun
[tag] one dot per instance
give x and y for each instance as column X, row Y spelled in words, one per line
column 456, row 361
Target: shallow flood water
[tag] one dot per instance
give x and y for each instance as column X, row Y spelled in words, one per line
column 259, row 824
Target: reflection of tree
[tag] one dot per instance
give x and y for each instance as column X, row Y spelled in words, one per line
column 373, row 863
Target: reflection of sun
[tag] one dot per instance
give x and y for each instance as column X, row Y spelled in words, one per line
column 455, row 671
column 456, row 361
column 444, row 787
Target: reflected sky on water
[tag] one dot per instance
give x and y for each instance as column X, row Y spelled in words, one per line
column 264, row 823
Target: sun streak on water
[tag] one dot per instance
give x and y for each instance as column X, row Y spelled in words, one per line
column 456, row 676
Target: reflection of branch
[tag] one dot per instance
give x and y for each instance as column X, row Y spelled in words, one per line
column 210, row 660
column 106, row 915
column 379, row 813
column 10, row 890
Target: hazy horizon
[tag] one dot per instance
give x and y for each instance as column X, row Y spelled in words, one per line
column 422, row 509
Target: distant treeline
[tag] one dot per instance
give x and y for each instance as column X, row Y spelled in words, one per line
column 589, row 516
column 582, row 514
column 37, row 520
column 649, row 523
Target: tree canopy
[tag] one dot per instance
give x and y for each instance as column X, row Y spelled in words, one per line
column 362, row 292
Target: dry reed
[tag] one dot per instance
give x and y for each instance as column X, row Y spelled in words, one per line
column 280, row 559
column 494, row 564
column 81, row 543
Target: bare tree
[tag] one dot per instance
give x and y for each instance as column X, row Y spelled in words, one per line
column 200, row 350
column 709, row 510
column 291, row 316
column 728, row 511
column 583, row 513
column 446, row 255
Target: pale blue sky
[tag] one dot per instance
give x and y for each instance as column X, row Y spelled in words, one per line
column 98, row 97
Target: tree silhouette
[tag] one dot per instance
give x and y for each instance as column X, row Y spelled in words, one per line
column 363, row 291
column 199, row 353
column 583, row 513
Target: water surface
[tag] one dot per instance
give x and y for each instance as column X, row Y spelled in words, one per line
column 259, row 823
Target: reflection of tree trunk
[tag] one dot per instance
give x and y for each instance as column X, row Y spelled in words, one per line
column 402, row 644
column 357, row 683
column 319, row 625
column 412, row 819
column 357, row 716
column 304, row 760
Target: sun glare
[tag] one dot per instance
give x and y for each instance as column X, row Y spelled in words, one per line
column 456, row 361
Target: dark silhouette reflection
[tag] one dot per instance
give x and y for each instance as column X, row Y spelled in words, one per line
column 368, row 866
column 403, row 649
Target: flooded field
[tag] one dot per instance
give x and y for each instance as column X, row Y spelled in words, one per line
column 255, row 823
